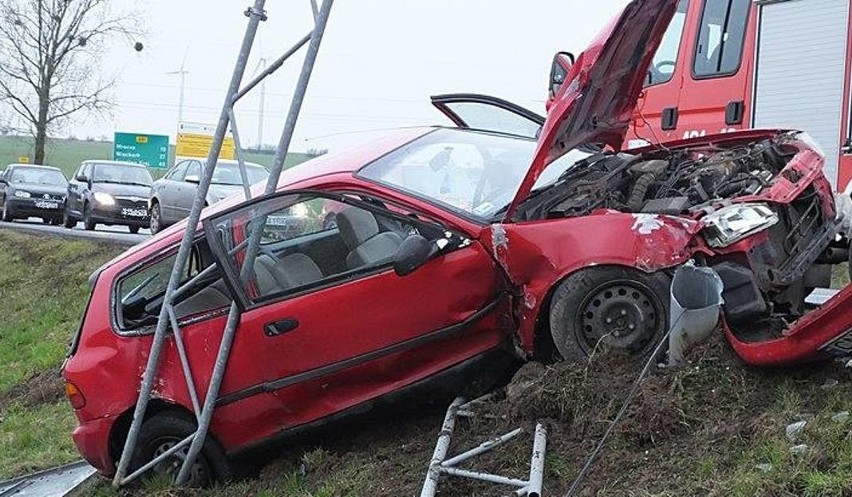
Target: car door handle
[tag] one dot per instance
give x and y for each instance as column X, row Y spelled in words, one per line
column 280, row 327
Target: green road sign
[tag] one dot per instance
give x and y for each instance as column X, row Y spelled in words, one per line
column 151, row 150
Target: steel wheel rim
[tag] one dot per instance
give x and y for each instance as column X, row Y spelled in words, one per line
column 198, row 473
column 623, row 315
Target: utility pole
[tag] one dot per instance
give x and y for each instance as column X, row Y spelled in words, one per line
column 261, row 64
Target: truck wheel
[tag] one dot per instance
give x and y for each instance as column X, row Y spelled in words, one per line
column 88, row 223
column 164, row 431
column 613, row 308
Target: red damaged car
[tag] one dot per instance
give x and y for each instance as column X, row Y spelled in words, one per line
column 455, row 251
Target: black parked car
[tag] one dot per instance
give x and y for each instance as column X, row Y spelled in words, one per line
column 109, row 192
column 32, row 191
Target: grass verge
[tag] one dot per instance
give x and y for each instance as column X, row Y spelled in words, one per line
column 43, row 290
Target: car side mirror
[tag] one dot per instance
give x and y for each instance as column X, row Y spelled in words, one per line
column 559, row 69
column 3, row 181
column 413, row 253
column 81, row 178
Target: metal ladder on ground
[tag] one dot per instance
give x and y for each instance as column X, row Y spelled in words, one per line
column 442, row 465
column 167, row 325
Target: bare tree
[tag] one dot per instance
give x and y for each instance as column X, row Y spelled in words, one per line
column 50, row 54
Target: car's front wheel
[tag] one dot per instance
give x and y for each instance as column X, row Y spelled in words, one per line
column 609, row 308
column 164, row 431
column 156, row 218
column 88, row 222
column 7, row 212
column 67, row 220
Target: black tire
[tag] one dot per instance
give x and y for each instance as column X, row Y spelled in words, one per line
column 67, row 220
column 628, row 307
column 45, row 220
column 156, row 222
column 88, row 223
column 56, row 221
column 162, row 432
column 133, row 229
column 7, row 215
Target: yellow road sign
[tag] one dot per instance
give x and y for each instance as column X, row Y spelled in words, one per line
column 198, row 145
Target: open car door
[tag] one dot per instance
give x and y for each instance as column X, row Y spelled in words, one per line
column 485, row 113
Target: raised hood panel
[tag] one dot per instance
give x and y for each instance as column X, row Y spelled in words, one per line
column 596, row 102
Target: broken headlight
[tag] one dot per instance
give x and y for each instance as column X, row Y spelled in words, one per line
column 731, row 224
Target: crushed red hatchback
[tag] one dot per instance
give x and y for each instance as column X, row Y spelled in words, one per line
column 440, row 253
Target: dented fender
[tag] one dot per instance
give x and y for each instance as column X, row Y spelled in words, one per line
column 537, row 255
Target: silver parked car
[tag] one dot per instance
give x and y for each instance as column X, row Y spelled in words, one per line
column 172, row 195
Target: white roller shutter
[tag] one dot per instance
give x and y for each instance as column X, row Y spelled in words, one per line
column 800, row 70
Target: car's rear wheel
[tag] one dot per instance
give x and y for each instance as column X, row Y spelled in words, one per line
column 88, row 222
column 164, row 431
column 156, row 218
column 67, row 220
column 133, row 229
column 612, row 308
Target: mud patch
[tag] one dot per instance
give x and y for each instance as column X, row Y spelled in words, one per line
column 45, row 387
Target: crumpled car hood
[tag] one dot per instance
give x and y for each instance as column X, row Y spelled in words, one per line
column 596, row 102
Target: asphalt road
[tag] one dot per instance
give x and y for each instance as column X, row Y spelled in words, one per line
column 112, row 234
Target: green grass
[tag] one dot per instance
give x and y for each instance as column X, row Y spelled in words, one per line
column 67, row 154
column 36, row 438
column 43, row 290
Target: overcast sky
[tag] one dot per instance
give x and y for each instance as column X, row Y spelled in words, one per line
column 378, row 64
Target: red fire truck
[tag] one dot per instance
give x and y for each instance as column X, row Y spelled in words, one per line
column 726, row 65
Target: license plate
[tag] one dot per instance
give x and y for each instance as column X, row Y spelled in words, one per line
column 41, row 204
column 126, row 212
column 840, row 346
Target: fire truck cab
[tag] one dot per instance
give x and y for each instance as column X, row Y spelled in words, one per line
column 726, row 65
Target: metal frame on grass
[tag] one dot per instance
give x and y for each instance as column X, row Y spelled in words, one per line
column 203, row 407
column 441, row 465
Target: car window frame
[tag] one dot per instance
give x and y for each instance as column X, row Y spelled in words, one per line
column 238, row 293
column 156, row 258
column 697, row 43
column 679, row 55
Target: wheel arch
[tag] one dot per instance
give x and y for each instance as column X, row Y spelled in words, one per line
column 121, row 427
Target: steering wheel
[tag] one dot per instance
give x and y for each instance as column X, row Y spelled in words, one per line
column 664, row 63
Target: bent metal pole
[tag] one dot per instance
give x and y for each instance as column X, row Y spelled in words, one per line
column 254, row 242
column 255, row 15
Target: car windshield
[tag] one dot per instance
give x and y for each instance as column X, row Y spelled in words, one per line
column 475, row 174
column 38, row 176
column 228, row 173
column 121, row 174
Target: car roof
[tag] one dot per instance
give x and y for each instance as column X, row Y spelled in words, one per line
column 34, row 166
column 113, row 162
